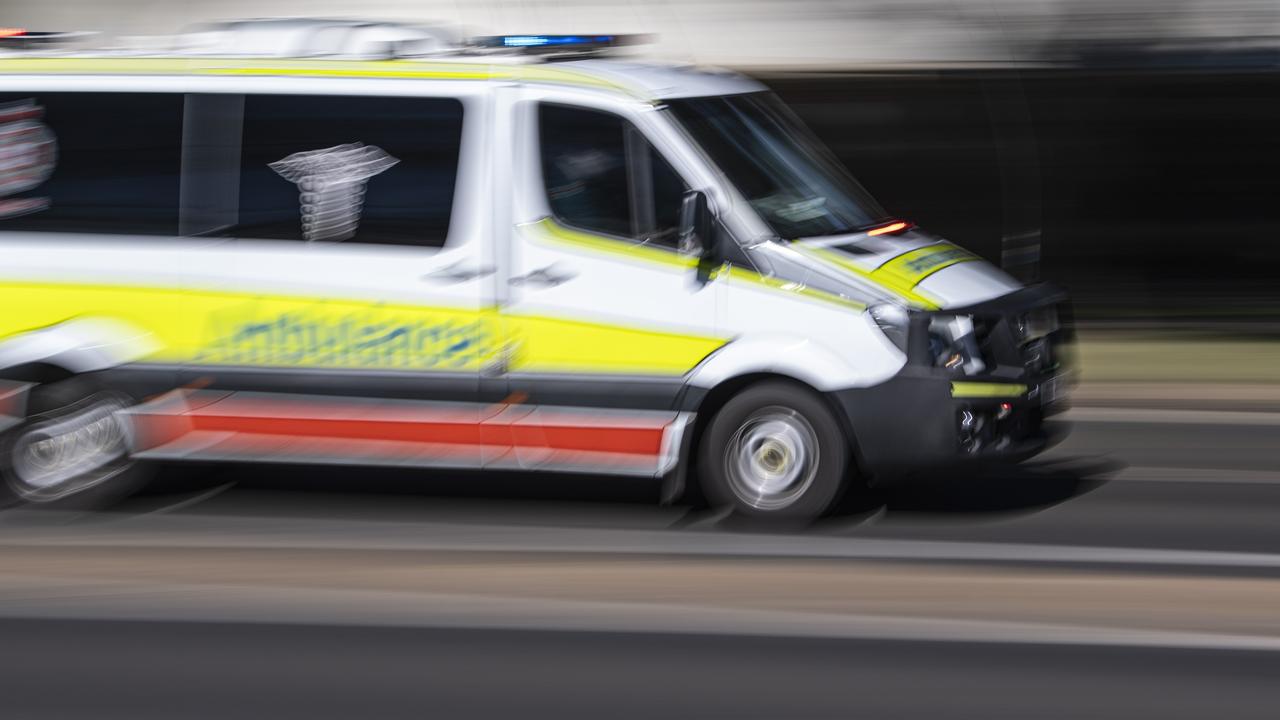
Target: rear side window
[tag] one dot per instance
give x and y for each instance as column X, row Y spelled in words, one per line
column 90, row 162
column 327, row 168
column 602, row 175
column 353, row 169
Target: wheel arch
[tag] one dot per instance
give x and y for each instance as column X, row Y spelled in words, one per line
column 706, row 403
column 75, row 346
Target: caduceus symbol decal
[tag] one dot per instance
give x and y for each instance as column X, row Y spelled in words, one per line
column 331, row 186
column 28, row 153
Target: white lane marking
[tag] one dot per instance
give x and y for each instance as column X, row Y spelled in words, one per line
column 181, row 602
column 1171, row 416
column 1147, row 473
column 195, row 531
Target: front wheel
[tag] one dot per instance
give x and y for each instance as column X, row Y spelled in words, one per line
column 775, row 450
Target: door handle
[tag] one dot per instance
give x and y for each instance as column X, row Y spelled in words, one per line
column 457, row 273
column 549, row 276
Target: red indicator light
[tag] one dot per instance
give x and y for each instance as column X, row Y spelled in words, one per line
column 1005, row 410
column 893, row 227
column 11, row 32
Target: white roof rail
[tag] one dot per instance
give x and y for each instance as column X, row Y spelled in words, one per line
column 315, row 37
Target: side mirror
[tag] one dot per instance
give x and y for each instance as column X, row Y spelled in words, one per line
column 699, row 233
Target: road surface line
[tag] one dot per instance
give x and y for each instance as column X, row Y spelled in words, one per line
column 189, row 531
column 286, row 606
column 1171, row 417
column 1155, row 474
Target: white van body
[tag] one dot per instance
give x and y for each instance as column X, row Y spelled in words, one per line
column 518, row 338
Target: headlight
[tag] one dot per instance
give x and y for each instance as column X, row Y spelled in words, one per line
column 894, row 322
column 1038, row 323
column 954, row 346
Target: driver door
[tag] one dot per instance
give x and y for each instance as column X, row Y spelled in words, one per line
column 603, row 314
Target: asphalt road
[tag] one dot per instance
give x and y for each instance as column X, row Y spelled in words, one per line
column 1132, row 572
column 1124, row 484
column 157, row 670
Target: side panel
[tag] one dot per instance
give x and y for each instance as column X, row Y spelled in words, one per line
column 622, row 309
column 793, row 331
column 308, row 314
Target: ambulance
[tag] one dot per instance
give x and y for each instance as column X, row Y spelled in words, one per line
column 368, row 245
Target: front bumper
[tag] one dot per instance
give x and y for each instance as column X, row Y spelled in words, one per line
column 925, row 418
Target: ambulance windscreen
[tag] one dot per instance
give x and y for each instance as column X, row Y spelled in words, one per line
column 787, row 175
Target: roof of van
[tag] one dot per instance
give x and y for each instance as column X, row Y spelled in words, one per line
column 645, row 81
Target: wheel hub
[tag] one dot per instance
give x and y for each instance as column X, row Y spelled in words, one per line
column 772, row 458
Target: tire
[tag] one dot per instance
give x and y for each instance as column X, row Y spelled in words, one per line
column 775, row 450
column 71, row 451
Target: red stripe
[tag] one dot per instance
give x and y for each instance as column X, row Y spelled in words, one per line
column 291, row 418
column 626, row 440
column 360, row 429
column 293, row 445
column 275, row 419
column 623, row 440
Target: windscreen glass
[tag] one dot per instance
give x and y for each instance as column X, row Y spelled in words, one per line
column 788, row 176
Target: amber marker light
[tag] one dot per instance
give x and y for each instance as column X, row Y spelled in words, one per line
column 893, row 227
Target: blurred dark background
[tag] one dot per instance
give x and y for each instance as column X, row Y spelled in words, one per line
column 1153, row 188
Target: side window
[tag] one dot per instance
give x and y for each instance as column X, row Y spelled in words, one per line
column 354, row 169
column 602, row 175
column 90, row 162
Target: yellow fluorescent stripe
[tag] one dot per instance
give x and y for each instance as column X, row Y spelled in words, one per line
column 888, row 281
column 986, row 390
column 542, row 344
column 909, row 269
column 558, row 76
column 401, row 74
column 397, row 69
column 224, row 328
column 754, row 278
column 551, row 230
column 124, row 66
column 624, row 249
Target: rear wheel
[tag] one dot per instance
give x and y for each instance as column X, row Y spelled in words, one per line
column 775, row 450
column 72, row 450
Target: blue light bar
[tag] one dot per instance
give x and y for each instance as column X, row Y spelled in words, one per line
column 558, row 44
column 556, row 40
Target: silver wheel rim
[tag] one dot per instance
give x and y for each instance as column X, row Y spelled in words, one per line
column 772, row 459
column 71, row 449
